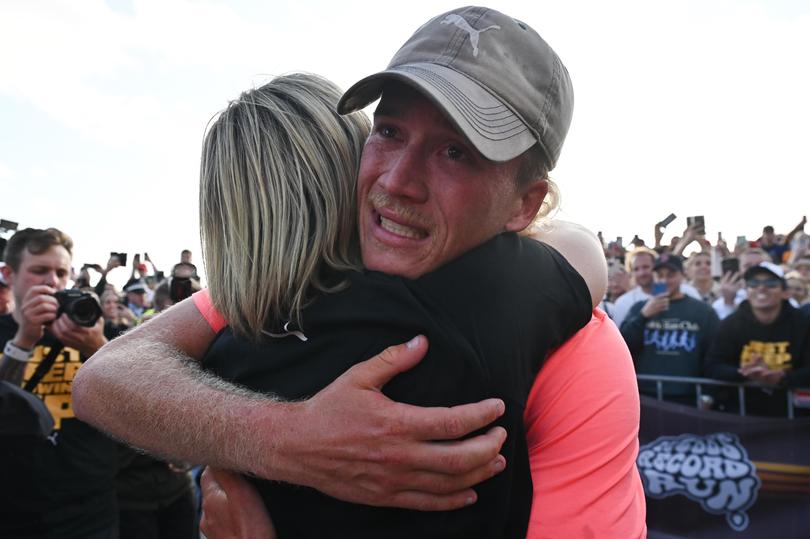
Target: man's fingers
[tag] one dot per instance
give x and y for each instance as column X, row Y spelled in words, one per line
column 378, row 370
column 450, row 423
column 446, row 484
column 464, row 463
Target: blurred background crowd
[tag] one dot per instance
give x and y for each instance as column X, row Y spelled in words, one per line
column 734, row 311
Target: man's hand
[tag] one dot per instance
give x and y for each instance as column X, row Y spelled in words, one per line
column 351, row 442
column 112, row 263
column 232, row 508
column 38, row 307
column 730, row 284
column 655, row 305
column 659, row 234
column 85, row 340
column 758, row 371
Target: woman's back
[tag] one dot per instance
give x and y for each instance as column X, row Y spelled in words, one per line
column 480, row 314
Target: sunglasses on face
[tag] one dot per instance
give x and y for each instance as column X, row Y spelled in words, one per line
column 768, row 283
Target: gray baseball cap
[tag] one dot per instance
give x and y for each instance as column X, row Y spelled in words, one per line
column 493, row 76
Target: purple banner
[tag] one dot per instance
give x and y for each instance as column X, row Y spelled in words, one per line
column 715, row 475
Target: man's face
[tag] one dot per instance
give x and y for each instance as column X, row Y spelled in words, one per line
column 700, row 267
column 672, row 278
column 765, row 291
column 110, row 305
column 137, row 298
column 642, row 270
column 425, row 195
column 50, row 268
column 749, row 260
column 618, row 283
column 768, row 238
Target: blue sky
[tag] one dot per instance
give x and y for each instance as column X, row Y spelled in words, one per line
column 690, row 107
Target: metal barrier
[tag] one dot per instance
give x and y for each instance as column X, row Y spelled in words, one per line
column 700, row 382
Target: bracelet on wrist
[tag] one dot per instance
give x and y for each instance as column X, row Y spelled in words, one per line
column 16, row 353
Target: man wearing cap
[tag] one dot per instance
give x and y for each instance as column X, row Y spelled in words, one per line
column 670, row 333
column 474, row 110
column 640, row 263
column 62, row 485
column 137, row 302
column 766, row 340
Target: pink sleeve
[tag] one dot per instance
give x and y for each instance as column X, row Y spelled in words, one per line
column 582, row 421
column 202, row 300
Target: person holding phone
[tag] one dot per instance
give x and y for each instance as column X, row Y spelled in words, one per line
column 670, row 333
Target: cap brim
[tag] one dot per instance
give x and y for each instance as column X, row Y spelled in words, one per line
column 760, row 269
column 492, row 127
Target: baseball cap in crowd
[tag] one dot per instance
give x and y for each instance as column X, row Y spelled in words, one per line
column 667, row 260
column 135, row 285
column 768, row 267
column 496, row 79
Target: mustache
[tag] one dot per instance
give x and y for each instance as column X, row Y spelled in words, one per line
column 407, row 212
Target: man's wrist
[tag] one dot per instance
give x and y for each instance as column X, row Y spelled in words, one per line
column 17, row 353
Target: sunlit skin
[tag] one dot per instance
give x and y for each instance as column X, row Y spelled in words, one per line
column 642, row 271
column 425, row 195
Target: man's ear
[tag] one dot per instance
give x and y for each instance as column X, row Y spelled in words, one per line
column 531, row 199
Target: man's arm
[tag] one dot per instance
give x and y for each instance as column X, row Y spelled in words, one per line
column 798, row 228
column 348, row 441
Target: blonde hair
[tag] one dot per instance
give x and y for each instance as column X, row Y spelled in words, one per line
column 631, row 256
column 277, row 200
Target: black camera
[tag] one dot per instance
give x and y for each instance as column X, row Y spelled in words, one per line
column 82, row 308
column 180, row 288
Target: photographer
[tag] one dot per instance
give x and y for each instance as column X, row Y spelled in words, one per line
column 60, row 486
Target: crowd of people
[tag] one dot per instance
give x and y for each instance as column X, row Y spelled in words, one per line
column 150, row 497
column 735, row 314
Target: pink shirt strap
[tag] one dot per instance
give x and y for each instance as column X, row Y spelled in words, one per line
column 202, row 300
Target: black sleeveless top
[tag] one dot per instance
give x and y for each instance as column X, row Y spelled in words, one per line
column 491, row 317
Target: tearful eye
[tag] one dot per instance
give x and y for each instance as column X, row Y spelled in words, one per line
column 455, row 153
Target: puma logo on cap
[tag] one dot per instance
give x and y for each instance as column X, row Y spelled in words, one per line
column 459, row 21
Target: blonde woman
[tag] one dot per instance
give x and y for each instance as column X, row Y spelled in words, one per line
column 277, row 205
column 699, row 273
